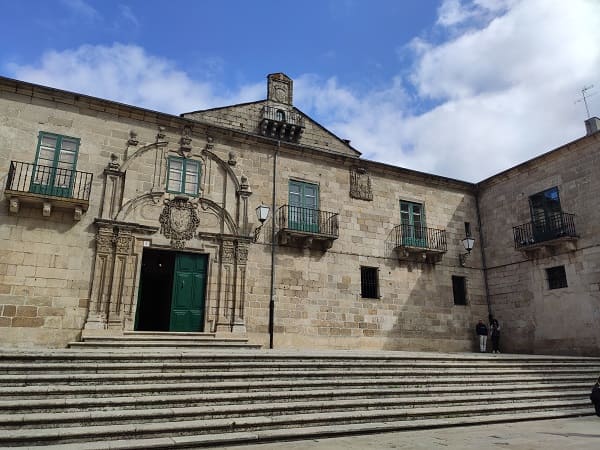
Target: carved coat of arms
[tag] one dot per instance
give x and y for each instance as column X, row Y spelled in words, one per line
column 178, row 221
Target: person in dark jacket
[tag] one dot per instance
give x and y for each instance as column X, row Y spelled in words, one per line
column 595, row 397
column 495, row 335
column 482, row 333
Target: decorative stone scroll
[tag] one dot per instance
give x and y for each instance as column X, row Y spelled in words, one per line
column 178, row 221
column 242, row 253
column 360, row 184
column 227, row 252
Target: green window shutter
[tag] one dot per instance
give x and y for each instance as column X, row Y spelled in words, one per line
column 54, row 167
column 183, row 176
column 303, row 206
column 414, row 228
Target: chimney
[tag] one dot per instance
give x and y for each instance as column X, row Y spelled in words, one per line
column 592, row 125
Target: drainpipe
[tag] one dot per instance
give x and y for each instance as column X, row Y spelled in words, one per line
column 272, row 296
column 483, row 261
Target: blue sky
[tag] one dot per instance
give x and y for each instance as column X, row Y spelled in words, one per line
column 460, row 88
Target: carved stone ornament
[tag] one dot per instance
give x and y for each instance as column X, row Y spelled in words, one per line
column 113, row 164
column 227, row 252
column 360, row 184
column 186, row 139
column 104, row 240
column 242, row 253
column 178, row 221
column 123, row 243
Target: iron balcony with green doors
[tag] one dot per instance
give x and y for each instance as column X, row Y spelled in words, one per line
column 545, row 231
column 307, row 226
column 420, row 242
column 36, row 183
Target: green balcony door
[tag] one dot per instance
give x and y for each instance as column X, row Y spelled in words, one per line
column 54, row 168
column 412, row 219
column 187, row 299
column 303, row 207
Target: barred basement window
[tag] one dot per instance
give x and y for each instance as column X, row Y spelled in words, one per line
column 557, row 277
column 369, row 285
column 459, row 289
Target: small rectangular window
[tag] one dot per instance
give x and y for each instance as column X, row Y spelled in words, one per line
column 459, row 289
column 369, row 284
column 557, row 277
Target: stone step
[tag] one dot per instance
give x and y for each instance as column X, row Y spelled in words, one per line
column 204, row 376
column 78, row 434
column 170, row 344
column 310, row 432
column 25, row 405
column 216, row 411
column 265, row 356
column 73, row 366
column 93, row 390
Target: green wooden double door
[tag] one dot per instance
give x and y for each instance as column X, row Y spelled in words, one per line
column 187, row 299
column 172, row 292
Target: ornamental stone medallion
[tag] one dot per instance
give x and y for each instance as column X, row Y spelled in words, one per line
column 178, row 221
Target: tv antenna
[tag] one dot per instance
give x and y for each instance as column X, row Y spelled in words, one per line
column 585, row 96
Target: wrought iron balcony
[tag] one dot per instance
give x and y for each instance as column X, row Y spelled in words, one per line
column 49, row 186
column 307, row 226
column 428, row 244
column 554, row 230
column 281, row 123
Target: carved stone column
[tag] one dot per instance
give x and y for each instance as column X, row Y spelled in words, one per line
column 102, row 280
column 239, row 321
column 227, row 288
column 112, row 194
column 123, row 243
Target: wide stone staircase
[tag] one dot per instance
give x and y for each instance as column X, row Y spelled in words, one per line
column 124, row 397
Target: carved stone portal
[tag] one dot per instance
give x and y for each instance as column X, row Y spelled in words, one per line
column 178, row 221
column 360, row 184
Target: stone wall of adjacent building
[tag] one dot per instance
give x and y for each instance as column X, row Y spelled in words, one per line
column 534, row 318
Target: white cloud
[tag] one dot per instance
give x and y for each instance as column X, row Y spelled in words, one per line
column 505, row 92
column 126, row 73
column 128, row 15
column 81, row 8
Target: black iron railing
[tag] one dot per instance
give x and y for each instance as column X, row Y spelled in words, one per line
column 49, row 181
column 557, row 226
column 280, row 115
column 308, row 220
column 426, row 238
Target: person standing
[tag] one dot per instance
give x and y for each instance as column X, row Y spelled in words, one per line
column 482, row 333
column 595, row 396
column 495, row 335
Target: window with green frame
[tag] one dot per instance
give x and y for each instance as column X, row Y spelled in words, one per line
column 54, row 167
column 412, row 220
column 303, row 214
column 183, row 176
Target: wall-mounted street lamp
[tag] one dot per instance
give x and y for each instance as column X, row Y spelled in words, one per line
column 262, row 212
column 468, row 243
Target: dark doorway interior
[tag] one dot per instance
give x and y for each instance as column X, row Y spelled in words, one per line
column 156, row 285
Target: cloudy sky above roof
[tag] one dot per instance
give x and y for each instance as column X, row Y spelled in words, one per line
column 459, row 88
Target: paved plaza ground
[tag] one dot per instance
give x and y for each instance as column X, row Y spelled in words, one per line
column 580, row 433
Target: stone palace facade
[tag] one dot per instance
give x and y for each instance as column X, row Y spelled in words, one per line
column 117, row 218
